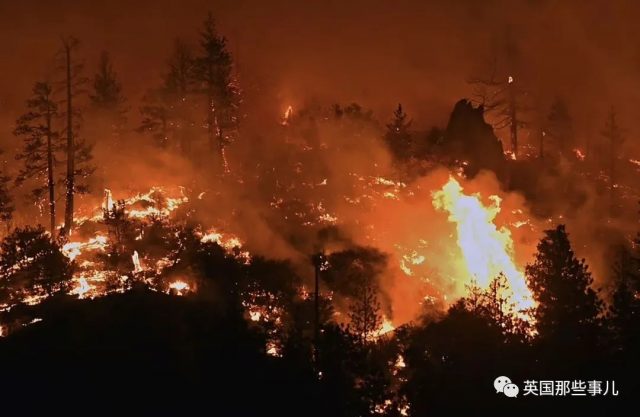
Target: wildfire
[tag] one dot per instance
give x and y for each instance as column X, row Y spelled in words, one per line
column 486, row 249
column 179, row 287
column 580, row 155
column 411, row 259
column 108, row 200
column 287, row 116
column 82, row 289
column 137, row 267
column 73, row 249
column 386, row 327
column 229, row 242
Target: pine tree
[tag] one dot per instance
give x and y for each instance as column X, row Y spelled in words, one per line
column 559, row 128
column 568, row 308
column 614, row 138
column 107, row 90
column 364, row 313
column 78, row 152
column 625, row 305
column 31, row 264
column 213, row 73
column 107, row 95
column 167, row 110
column 6, row 201
column 398, row 137
column 41, row 143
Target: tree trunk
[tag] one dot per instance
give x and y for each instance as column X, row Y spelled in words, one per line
column 513, row 116
column 68, row 214
column 50, row 181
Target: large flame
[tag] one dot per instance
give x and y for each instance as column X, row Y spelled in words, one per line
column 487, row 249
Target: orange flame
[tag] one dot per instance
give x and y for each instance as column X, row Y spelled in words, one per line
column 487, row 250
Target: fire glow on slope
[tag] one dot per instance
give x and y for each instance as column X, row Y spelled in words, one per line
column 486, row 249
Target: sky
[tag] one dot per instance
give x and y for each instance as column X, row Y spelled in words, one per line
column 377, row 53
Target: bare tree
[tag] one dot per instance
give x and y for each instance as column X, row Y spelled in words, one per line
column 501, row 97
column 78, row 153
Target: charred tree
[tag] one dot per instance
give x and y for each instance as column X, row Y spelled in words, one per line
column 41, row 143
column 78, row 153
column 500, row 93
column 213, row 74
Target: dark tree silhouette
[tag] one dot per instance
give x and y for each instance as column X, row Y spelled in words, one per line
column 398, row 137
column 41, row 143
column 167, row 110
column 495, row 304
column 499, row 91
column 107, row 97
column 559, row 129
column 625, row 304
column 107, row 90
column 364, row 313
column 77, row 151
column 213, row 74
column 6, row 200
column 31, row 264
column 568, row 311
column 614, row 138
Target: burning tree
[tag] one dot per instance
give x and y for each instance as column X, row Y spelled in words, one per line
column 213, row 74
column 41, row 143
column 78, row 152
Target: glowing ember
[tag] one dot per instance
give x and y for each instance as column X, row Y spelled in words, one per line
column 108, row 200
column 385, row 328
column 82, row 289
column 287, row 115
column 412, row 259
column 137, row 267
column 579, row 154
column 255, row 315
column 179, row 287
column 487, row 250
column 74, row 249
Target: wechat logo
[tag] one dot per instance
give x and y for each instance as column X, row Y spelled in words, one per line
column 503, row 385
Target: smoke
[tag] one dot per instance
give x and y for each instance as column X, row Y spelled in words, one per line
column 322, row 170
